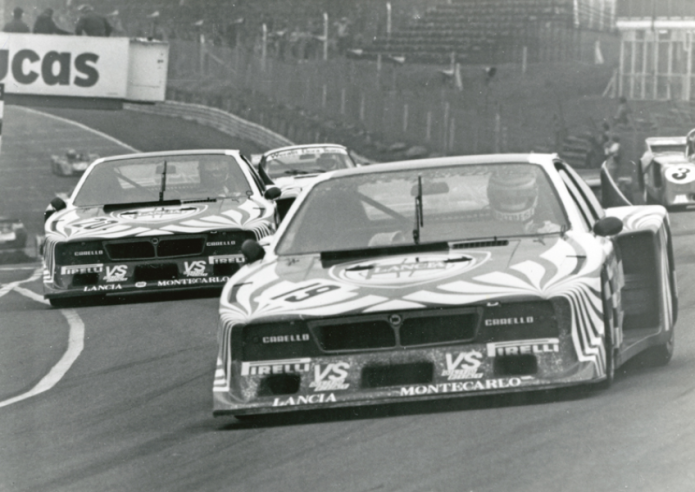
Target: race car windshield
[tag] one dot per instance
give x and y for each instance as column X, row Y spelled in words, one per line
column 458, row 204
column 306, row 161
column 188, row 177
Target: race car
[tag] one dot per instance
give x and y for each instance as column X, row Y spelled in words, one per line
column 665, row 174
column 440, row 278
column 13, row 234
column 152, row 222
column 73, row 163
column 295, row 167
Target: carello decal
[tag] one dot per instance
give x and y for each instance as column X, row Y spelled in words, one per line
column 54, row 68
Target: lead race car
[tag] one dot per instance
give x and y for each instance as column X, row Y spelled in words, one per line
column 441, row 278
column 666, row 173
column 72, row 163
column 154, row 221
column 295, row 167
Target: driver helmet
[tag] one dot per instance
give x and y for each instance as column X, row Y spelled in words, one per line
column 328, row 162
column 71, row 154
column 513, row 196
column 214, row 172
column 690, row 145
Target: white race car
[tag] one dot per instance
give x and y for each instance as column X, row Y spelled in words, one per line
column 73, row 163
column 665, row 175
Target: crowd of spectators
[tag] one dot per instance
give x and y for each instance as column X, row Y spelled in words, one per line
column 87, row 22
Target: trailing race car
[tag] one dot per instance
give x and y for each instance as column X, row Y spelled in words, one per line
column 296, row 167
column 441, row 278
column 73, row 163
column 665, row 173
column 13, row 234
column 154, row 221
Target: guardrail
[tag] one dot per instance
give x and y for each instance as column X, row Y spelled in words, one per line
column 215, row 118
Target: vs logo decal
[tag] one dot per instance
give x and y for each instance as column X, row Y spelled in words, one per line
column 330, row 377
column 194, row 269
column 116, row 273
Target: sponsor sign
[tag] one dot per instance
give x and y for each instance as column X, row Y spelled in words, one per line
column 99, row 288
column 194, row 268
column 225, row 259
column 159, row 214
column 220, row 243
column 191, row 281
column 330, row 377
column 71, row 66
column 463, row 365
column 521, row 320
column 462, row 387
column 299, row 337
column 523, row 347
column 89, row 253
column 401, row 271
column 75, row 269
column 266, row 367
column 304, row 400
column 116, row 273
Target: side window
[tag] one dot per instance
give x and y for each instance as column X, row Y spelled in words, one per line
column 656, row 174
column 594, row 205
column 581, row 206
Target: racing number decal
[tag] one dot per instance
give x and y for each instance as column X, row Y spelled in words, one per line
column 306, row 292
column 680, row 174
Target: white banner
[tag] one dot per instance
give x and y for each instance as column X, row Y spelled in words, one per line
column 55, row 65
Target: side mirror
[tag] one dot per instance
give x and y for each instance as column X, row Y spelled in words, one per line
column 55, row 205
column 608, row 226
column 252, row 251
column 58, row 204
column 272, row 193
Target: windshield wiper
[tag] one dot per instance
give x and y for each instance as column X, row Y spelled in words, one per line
column 164, row 182
column 419, row 219
column 110, row 207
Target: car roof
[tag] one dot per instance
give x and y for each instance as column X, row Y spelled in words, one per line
column 544, row 160
column 304, row 146
column 171, row 153
column 665, row 141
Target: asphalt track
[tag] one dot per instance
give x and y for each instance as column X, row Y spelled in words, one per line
column 118, row 397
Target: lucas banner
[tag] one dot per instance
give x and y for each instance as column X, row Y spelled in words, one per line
column 74, row 66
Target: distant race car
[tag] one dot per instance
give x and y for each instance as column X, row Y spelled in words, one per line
column 13, row 234
column 154, row 221
column 665, row 174
column 295, row 167
column 73, row 163
column 440, row 278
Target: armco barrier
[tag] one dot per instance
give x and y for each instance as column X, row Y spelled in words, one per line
column 215, row 118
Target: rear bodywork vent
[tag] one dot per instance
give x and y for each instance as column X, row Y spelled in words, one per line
column 165, row 271
column 355, row 335
column 131, row 250
column 379, row 376
column 181, row 247
column 440, row 329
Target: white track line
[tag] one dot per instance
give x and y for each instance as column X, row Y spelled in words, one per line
column 83, row 127
column 75, row 340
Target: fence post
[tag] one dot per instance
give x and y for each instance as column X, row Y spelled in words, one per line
column 264, row 46
column 428, row 129
column 405, row 118
column 524, row 59
column 446, row 125
column 452, row 131
column 362, row 106
column 342, row 100
column 325, row 36
column 324, row 96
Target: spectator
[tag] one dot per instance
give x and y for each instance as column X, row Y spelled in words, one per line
column 343, row 35
column 623, row 113
column 92, row 24
column 16, row 24
column 46, row 25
